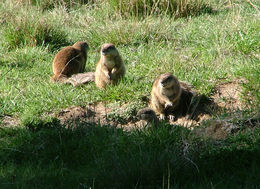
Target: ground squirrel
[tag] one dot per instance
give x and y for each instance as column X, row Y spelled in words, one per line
column 148, row 115
column 165, row 95
column 110, row 67
column 68, row 61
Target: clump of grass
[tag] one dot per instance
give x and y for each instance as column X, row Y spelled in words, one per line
column 251, row 87
column 129, row 32
column 30, row 31
column 51, row 4
column 24, row 58
column 176, row 8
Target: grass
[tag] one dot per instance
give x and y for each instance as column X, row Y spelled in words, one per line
column 175, row 8
column 203, row 48
column 33, row 30
column 51, row 4
column 46, row 154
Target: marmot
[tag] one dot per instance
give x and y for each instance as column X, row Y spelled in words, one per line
column 68, row 61
column 110, row 67
column 165, row 95
column 148, row 115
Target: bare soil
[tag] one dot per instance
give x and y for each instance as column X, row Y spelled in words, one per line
column 226, row 97
column 93, row 113
column 220, row 129
column 9, row 121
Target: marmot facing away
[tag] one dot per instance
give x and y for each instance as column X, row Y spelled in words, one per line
column 165, row 95
column 70, row 60
column 110, row 67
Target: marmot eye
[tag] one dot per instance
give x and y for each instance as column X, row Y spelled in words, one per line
column 168, row 79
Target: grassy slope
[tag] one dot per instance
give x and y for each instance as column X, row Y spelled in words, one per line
column 203, row 50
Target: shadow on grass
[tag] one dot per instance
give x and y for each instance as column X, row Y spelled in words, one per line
column 44, row 154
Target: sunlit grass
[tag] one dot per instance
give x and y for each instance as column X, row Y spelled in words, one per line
column 201, row 49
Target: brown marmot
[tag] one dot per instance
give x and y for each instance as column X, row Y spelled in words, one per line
column 68, row 61
column 110, row 67
column 148, row 115
column 165, row 95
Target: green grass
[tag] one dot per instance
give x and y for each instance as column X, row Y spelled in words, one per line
column 203, row 48
column 45, row 155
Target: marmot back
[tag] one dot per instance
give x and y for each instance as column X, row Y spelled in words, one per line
column 70, row 60
column 110, row 67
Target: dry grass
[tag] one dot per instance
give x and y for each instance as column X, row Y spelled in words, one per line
column 175, row 8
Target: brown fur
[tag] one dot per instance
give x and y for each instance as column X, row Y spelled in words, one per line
column 110, row 67
column 165, row 95
column 148, row 115
column 68, row 61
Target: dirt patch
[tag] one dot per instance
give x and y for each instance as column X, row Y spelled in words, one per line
column 97, row 113
column 217, row 129
column 191, row 123
column 198, row 109
column 227, row 95
column 100, row 113
column 220, row 129
column 93, row 113
column 8, row 121
column 201, row 108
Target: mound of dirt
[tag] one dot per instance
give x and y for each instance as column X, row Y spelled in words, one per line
column 220, row 129
column 93, row 113
column 9, row 121
column 227, row 95
column 201, row 108
column 96, row 113
column 217, row 129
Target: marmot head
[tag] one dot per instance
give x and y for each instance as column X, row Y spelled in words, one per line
column 169, row 85
column 82, row 46
column 168, row 81
column 109, row 50
column 146, row 114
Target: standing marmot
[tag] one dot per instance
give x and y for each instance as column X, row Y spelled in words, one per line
column 110, row 67
column 165, row 95
column 68, row 61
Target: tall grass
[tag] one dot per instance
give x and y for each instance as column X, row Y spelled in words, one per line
column 176, row 8
column 33, row 30
column 51, row 4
